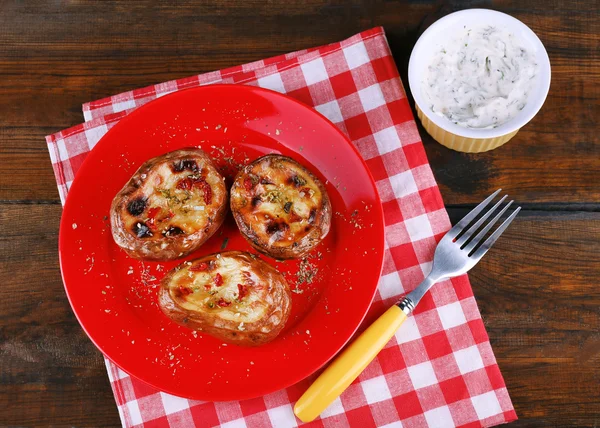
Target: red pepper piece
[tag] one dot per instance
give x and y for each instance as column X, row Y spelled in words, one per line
column 185, row 184
column 152, row 213
column 306, row 191
column 248, row 184
column 199, row 267
column 293, row 217
column 207, row 193
column 189, row 183
column 242, row 291
column 218, row 280
column 223, row 303
column 184, row 291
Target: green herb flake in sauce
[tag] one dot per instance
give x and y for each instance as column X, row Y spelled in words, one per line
column 457, row 87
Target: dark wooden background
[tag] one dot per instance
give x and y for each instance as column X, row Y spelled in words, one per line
column 538, row 289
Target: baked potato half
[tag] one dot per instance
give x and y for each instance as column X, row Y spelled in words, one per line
column 170, row 206
column 280, row 207
column 234, row 296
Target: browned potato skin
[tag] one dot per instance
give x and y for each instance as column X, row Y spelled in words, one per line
column 271, row 286
column 172, row 247
column 249, row 221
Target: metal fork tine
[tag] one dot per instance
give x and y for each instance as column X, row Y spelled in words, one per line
column 460, row 241
column 486, row 229
column 469, row 217
column 494, row 236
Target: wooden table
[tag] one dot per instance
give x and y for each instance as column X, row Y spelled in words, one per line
column 538, row 289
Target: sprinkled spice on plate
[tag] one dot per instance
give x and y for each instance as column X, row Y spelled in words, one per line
column 306, row 272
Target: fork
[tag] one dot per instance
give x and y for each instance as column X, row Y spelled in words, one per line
column 456, row 253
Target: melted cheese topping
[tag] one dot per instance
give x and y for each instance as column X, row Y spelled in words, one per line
column 177, row 200
column 201, row 291
column 279, row 199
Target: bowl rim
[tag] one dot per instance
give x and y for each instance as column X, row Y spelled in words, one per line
column 512, row 125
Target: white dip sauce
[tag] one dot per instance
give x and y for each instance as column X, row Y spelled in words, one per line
column 481, row 78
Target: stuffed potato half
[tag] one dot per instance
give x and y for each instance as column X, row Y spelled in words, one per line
column 280, row 207
column 170, row 206
column 234, row 296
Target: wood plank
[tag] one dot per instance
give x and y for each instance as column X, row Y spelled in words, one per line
column 51, row 373
column 80, row 52
column 541, row 312
column 537, row 290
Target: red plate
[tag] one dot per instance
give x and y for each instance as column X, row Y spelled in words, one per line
column 115, row 297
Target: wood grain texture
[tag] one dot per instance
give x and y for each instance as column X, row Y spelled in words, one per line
column 537, row 295
column 51, row 374
column 57, row 56
column 537, row 289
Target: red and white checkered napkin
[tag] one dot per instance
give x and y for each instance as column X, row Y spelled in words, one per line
column 439, row 370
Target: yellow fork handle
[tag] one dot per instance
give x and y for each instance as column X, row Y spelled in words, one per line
column 348, row 365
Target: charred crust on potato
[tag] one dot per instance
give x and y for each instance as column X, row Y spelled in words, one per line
column 137, row 206
column 277, row 227
column 183, row 164
column 141, row 230
column 296, row 181
column 173, row 231
column 255, row 201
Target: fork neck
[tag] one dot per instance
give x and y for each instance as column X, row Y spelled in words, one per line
column 412, row 299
